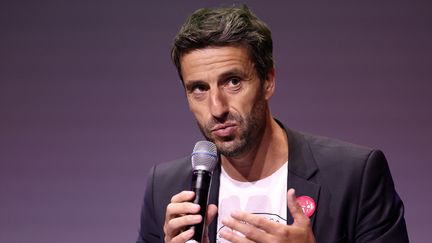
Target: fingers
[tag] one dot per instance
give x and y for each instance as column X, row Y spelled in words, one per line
column 179, row 214
column 182, row 237
column 253, row 227
column 296, row 211
column 183, row 196
column 180, row 204
column 233, row 237
column 255, row 220
column 183, row 221
column 178, row 209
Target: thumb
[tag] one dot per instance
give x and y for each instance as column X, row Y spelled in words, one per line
column 211, row 213
column 296, row 211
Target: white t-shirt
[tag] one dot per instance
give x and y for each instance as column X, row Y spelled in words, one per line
column 266, row 197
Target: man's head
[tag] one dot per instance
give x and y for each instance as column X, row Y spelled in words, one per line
column 225, row 27
column 228, row 82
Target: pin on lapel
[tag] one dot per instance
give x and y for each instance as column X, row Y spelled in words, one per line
column 307, row 204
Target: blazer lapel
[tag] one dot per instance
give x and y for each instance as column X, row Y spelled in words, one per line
column 301, row 170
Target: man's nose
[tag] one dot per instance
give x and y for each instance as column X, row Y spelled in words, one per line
column 218, row 104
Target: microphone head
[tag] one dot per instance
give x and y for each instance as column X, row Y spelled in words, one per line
column 204, row 156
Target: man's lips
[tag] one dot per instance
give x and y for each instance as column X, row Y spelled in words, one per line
column 223, row 130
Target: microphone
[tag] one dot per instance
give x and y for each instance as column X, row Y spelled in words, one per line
column 204, row 160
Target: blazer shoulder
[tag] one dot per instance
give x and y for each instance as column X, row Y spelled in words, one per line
column 346, row 161
column 330, row 150
column 174, row 166
column 172, row 176
column 335, row 158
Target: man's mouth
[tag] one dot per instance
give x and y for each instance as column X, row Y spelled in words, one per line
column 224, row 130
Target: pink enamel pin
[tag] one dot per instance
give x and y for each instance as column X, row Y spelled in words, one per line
column 307, row 204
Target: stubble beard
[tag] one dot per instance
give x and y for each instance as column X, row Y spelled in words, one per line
column 251, row 130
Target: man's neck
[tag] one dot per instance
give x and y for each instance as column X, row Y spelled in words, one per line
column 262, row 160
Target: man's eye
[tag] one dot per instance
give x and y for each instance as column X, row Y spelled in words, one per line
column 233, row 82
column 198, row 89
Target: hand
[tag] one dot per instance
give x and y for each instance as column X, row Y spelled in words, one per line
column 258, row 229
column 180, row 213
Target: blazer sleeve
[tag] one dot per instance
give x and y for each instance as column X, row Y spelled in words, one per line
column 380, row 215
column 149, row 231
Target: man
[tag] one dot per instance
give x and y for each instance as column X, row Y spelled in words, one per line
column 345, row 192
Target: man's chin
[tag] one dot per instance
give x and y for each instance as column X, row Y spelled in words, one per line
column 229, row 148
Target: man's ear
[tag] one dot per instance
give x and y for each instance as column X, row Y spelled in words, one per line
column 269, row 84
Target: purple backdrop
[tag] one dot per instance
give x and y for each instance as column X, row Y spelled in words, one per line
column 89, row 100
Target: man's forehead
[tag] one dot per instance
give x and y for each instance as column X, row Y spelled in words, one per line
column 215, row 60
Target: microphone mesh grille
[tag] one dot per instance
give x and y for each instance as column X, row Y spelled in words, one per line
column 204, row 155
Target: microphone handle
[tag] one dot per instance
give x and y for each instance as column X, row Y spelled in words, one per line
column 201, row 186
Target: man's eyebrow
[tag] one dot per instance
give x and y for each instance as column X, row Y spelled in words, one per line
column 189, row 85
column 235, row 72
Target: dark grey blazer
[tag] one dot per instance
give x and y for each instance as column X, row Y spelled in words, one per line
column 351, row 185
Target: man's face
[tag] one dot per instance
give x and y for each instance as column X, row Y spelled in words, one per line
column 226, row 97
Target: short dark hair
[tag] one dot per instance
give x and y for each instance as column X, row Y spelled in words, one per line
column 226, row 27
